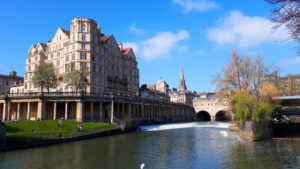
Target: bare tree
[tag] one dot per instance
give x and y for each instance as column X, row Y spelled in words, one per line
column 287, row 13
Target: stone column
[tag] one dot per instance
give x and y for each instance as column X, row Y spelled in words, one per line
column 111, row 112
column 41, row 110
column 66, row 110
column 18, row 111
column 28, row 111
column 54, row 110
column 123, row 111
column 129, row 111
column 92, row 110
column 5, row 109
column 143, row 111
column 100, row 111
column 213, row 118
column 79, row 111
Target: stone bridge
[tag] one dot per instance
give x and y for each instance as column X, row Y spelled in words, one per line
column 211, row 109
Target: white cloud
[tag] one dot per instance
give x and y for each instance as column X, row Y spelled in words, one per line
column 158, row 46
column 199, row 5
column 134, row 29
column 289, row 62
column 245, row 31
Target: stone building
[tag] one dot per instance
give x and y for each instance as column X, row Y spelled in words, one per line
column 112, row 93
column 8, row 80
column 112, row 68
column 182, row 95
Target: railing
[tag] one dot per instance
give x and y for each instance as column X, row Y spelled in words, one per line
column 57, row 135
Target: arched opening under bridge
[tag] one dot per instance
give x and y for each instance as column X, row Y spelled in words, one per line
column 203, row 116
column 223, row 116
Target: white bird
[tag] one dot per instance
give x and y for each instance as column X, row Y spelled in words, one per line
column 142, row 166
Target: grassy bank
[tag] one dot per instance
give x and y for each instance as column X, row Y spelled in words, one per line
column 21, row 131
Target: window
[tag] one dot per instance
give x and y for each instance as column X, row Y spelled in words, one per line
column 29, row 60
column 51, row 56
column 93, row 58
column 100, row 80
column 58, row 54
column 83, row 46
column 29, row 68
column 83, row 37
column 93, row 48
column 73, row 47
column 58, row 63
column 67, row 58
column 100, row 69
column 82, row 64
column 68, row 49
column 99, row 59
column 82, row 56
column 46, row 57
column 83, row 27
column 73, row 37
column 73, row 56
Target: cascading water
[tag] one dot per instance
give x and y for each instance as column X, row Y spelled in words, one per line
column 184, row 125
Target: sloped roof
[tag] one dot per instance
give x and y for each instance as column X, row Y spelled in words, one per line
column 65, row 31
column 126, row 50
column 105, row 37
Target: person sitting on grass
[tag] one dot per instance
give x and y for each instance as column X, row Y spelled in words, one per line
column 59, row 123
column 79, row 127
column 33, row 131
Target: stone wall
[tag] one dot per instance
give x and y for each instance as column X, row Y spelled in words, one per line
column 254, row 131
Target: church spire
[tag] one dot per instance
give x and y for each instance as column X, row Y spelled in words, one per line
column 182, row 86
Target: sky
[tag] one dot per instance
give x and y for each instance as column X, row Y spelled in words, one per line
column 166, row 35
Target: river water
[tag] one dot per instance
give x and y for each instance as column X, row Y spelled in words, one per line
column 174, row 146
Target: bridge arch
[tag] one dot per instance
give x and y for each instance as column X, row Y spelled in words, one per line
column 203, row 116
column 223, row 115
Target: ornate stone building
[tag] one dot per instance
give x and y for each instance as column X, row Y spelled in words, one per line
column 157, row 91
column 182, row 95
column 112, row 93
column 7, row 80
column 112, row 68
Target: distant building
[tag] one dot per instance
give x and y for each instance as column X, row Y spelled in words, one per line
column 182, row 95
column 287, row 85
column 8, row 80
column 157, row 91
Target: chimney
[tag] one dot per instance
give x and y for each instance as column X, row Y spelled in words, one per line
column 121, row 46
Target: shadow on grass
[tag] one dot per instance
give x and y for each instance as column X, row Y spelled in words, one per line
column 10, row 129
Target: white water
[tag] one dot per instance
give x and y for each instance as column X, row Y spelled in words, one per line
column 185, row 125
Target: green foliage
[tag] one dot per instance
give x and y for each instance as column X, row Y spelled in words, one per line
column 77, row 79
column 247, row 108
column 44, row 76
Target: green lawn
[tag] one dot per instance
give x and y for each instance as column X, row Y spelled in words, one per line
column 21, row 132
column 49, row 126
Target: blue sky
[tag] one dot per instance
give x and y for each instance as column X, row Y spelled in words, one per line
column 166, row 34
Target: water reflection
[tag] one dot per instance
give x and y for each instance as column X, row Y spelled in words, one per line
column 197, row 147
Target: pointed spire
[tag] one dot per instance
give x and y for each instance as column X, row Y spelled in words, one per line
column 182, row 86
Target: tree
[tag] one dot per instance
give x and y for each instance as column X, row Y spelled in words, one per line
column 287, row 13
column 267, row 91
column 77, row 78
column 44, row 76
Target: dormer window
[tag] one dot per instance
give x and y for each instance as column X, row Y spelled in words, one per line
column 83, row 28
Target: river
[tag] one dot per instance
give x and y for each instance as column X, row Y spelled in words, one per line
column 173, row 146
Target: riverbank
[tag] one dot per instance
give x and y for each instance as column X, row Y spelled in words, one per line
column 26, row 134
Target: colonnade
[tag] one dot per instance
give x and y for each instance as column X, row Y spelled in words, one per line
column 93, row 110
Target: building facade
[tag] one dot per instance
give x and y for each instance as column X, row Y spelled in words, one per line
column 111, row 67
column 8, row 80
column 182, row 95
